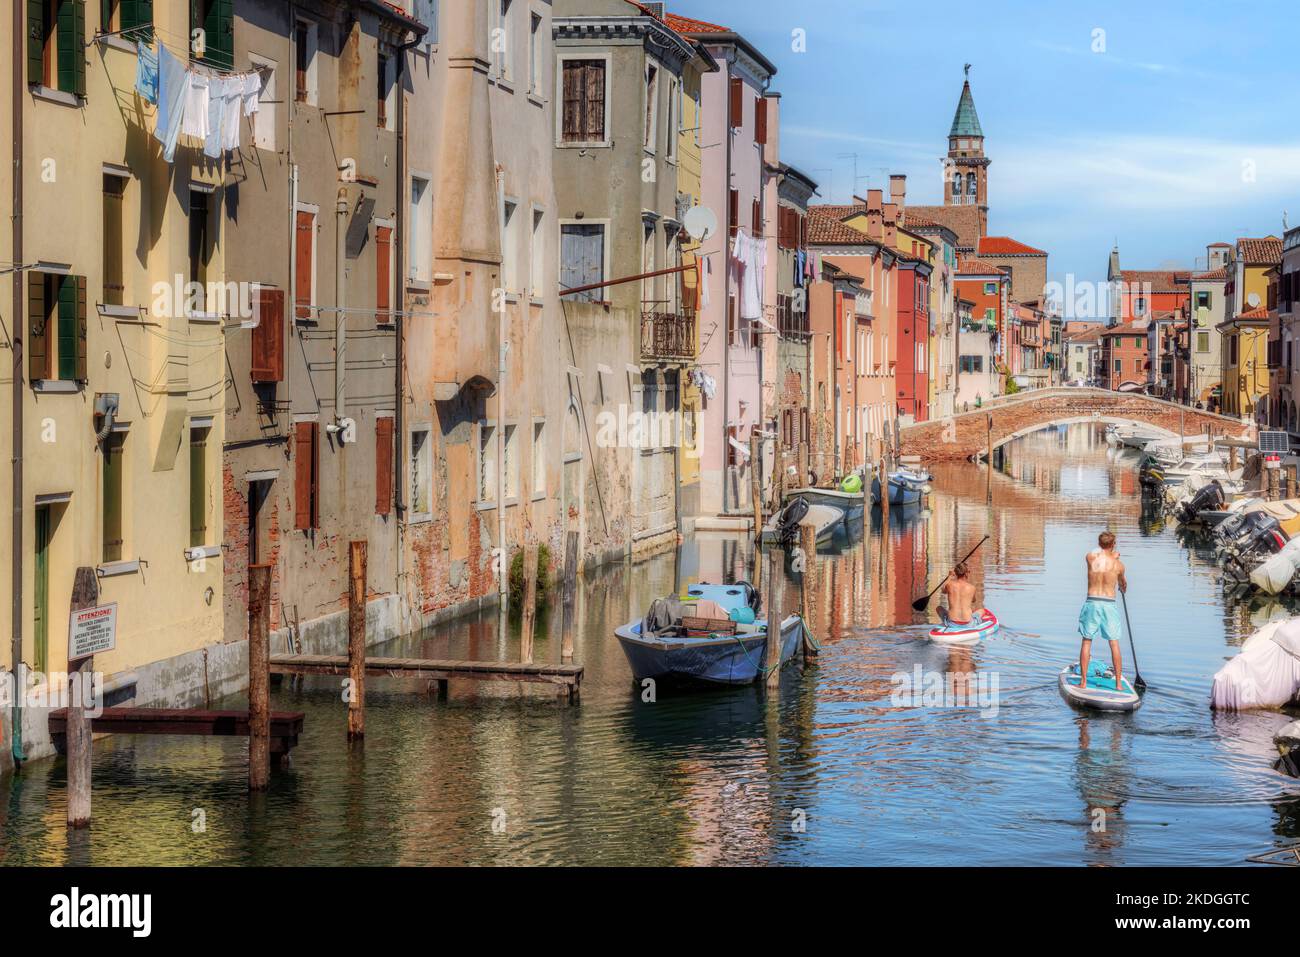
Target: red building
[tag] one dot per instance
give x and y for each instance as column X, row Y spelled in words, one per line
column 1125, row 357
column 912, row 373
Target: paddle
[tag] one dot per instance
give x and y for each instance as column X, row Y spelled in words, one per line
column 1138, row 684
column 920, row 603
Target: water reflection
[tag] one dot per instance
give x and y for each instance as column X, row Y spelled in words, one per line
column 830, row 769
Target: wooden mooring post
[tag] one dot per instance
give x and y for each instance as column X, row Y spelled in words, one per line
column 988, row 443
column 807, row 597
column 569, row 595
column 772, row 658
column 884, row 496
column 357, row 576
column 259, row 677
column 81, row 677
column 1291, row 482
column 529, row 611
column 756, row 480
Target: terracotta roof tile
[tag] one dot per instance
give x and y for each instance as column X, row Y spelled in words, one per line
column 1160, row 280
column 1214, row 275
column 826, row 229
column 964, row 221
column 1085, row 335
column 1006, row 246
column 970, row 266
column 688, row 25
column 1260, row 251
column 1260, row 313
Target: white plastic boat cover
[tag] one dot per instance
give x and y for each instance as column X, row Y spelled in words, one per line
column 1273, row 575
column 1266, row 673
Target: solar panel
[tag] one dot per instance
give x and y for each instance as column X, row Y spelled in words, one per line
column 1275, row 443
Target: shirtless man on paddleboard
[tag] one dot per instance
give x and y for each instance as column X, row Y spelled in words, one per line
column 961, row 599
column 1099, row 616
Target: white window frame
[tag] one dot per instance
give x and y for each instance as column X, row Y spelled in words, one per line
column 538, row 490
column 510, row 246
column 266, row 119
column 650, row 104
column 485, row 490
column 537, row 252
column 419, row 251
column 421, row 466
column 560, row 60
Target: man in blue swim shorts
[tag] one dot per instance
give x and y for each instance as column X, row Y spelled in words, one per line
column 1099, row 616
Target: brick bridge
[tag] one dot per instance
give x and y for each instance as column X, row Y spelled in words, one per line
column 964, row 436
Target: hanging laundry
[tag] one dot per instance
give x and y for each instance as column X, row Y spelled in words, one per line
column 750, row 259
column 218, row 89
column 197, row 117
column 173, row 92
column 146, row 73
column 705, row 280
column 252, row 93
column 232, row 103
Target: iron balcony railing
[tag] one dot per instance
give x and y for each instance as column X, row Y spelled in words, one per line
column 667, row 335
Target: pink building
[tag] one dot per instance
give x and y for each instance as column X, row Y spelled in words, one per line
column 739, row 117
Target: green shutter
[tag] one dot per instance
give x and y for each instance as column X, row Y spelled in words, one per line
column 38, row 343
column 71, row 46
column 81, row 372
column 218, row 24
column 138, row 13
column 67, row 328
column 35, row 42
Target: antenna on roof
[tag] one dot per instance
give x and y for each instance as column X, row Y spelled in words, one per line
column 967, row 70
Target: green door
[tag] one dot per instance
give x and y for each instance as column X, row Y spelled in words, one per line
column 41, row 633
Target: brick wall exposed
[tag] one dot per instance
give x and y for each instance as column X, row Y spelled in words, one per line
column 965, row 436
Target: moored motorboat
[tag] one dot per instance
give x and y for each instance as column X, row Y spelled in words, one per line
column 850, row 503
column 969, row 633
column 905, row 487
column 670, row 642
column 1101, row 692
column 783, row 527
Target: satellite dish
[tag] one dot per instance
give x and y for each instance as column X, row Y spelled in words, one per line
column 700, row 223
column 1253, row 300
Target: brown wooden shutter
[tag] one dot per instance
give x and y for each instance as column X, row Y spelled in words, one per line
column 267, row 360
column 81, row 373
column 303, row 254
column 758, row 218
column 40, row 333
column 304, row 476
column 383, row 465
column 733, row 210
column 574, row 100
column 760, row 120
column 383, row 273
column 737, row 90
column 594, row 128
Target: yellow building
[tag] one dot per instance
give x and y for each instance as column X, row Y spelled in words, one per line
column 117, row 309
column 1245, row 333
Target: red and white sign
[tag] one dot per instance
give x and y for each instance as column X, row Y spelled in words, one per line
column 92, row 631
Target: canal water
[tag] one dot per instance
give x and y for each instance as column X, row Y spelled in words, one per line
column 838, row 767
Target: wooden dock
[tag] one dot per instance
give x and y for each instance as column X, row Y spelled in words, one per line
column 567, row 677
column 286, row 726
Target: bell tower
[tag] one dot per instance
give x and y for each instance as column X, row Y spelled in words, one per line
column 965, row 166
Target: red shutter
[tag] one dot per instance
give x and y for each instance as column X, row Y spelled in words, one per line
column 383, row 465
column 267, row 360
column 304, row 476
column 737, row 102
column 303, row 237
column 383, row 273
column 760, row 120
column 733, row 211
column 758, row 218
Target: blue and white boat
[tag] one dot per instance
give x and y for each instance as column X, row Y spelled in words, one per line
column 730, row 659
column 905, row 487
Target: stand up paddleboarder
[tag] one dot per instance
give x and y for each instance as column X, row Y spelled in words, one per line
column 1099, row 616
column 960, row 593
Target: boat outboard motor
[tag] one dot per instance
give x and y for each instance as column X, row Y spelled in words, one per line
column 1206, row 499
column 1260, row 537
column 787, row 521
column 753, row 598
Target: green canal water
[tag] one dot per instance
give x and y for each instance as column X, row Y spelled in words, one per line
column 835, row 768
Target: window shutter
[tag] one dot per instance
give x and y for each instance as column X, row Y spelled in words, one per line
column 758, row 218
column 267, row 359
column 595, row 89
column 383, row 272
column 39, row 352
column 303, row 242
column 383, row 465
column 70, row 43
column 760, row 120
column 733, row 210
column 81, row 371
column 737, row 106
column 574, row 71
column 304, row 476
column 35, row 42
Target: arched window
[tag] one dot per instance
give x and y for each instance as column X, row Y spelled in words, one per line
column 970, row 184
column 956, row 184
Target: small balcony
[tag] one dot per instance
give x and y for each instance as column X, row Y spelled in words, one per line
column 667, row 336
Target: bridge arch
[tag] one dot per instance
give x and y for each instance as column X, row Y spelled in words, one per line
column 966, row 435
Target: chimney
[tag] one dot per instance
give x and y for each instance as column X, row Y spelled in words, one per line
column 873, row 199
column 891, row 224
column 898, row 189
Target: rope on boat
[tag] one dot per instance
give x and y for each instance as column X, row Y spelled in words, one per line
column 808, row 633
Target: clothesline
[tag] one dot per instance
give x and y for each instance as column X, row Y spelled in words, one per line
column 178, row 44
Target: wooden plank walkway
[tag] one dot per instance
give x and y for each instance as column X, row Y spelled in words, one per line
column 286, row 726
column 567, row 677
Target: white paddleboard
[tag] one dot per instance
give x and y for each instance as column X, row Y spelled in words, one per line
column 1101, row 693
column 971, row 634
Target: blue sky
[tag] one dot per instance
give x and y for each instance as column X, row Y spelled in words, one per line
column 1184, row 130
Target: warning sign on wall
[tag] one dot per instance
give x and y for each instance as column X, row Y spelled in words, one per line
column 92, row 631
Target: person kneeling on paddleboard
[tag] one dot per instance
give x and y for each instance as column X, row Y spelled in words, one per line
column 1099, row 615
column 961, row 597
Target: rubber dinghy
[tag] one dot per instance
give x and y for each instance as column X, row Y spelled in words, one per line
column 1101, row 693
column 971, row 633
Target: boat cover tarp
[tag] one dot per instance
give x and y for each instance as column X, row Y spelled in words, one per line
column 1273, row 575
column 1266, row 673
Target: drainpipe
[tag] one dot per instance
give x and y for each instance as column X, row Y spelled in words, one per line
column 503, row 348
column 399, row 311
column 16, row 340
column 726, row 301
column 340, row 313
